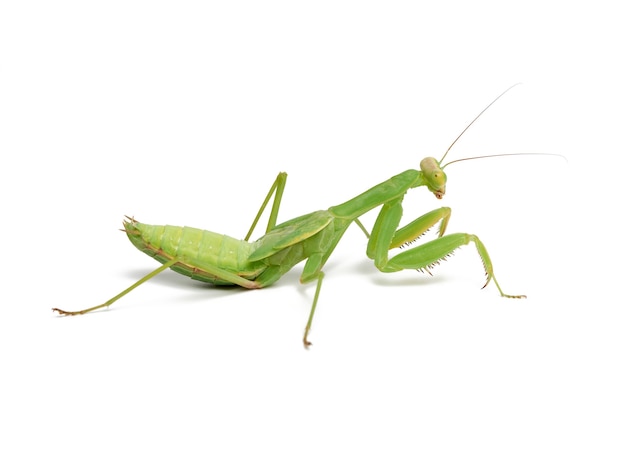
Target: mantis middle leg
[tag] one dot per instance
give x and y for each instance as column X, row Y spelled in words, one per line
column 385, row 236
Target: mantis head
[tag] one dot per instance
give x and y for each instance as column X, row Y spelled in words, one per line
column 434, row 177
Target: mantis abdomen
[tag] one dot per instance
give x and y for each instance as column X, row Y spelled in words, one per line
column 197, row 252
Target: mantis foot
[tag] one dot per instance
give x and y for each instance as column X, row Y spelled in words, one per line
column 64, row 313
column 521, row 296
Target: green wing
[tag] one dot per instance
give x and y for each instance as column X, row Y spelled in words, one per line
column 289, row 233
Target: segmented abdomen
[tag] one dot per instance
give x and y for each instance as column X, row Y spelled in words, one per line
column 194, row 248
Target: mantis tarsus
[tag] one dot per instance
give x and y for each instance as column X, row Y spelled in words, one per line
column 223, row 260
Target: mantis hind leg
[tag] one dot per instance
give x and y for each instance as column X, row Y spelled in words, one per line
column 277, row 190
column 385, row 236
column 218, row 272
column 150, row 275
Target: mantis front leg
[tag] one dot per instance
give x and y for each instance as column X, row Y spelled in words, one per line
column 385, row 236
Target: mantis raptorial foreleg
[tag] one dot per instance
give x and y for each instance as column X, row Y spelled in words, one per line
column 385, row 236
column 419, row 226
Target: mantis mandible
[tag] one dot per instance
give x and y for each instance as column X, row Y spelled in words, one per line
column 223, row 260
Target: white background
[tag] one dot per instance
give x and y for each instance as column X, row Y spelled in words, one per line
column 184, row 113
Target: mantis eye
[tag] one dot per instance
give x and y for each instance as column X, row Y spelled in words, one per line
column 438, row 183
column 437, row 178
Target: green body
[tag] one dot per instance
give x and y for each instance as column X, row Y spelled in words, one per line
column 223, row 260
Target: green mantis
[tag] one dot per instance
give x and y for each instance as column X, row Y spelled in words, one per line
column 223, row 260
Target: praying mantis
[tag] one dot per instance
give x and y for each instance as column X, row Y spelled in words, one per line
column 223, row 260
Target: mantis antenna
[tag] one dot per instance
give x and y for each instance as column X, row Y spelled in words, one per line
column 504, row 154
column 475, row 119
column 490, row 155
